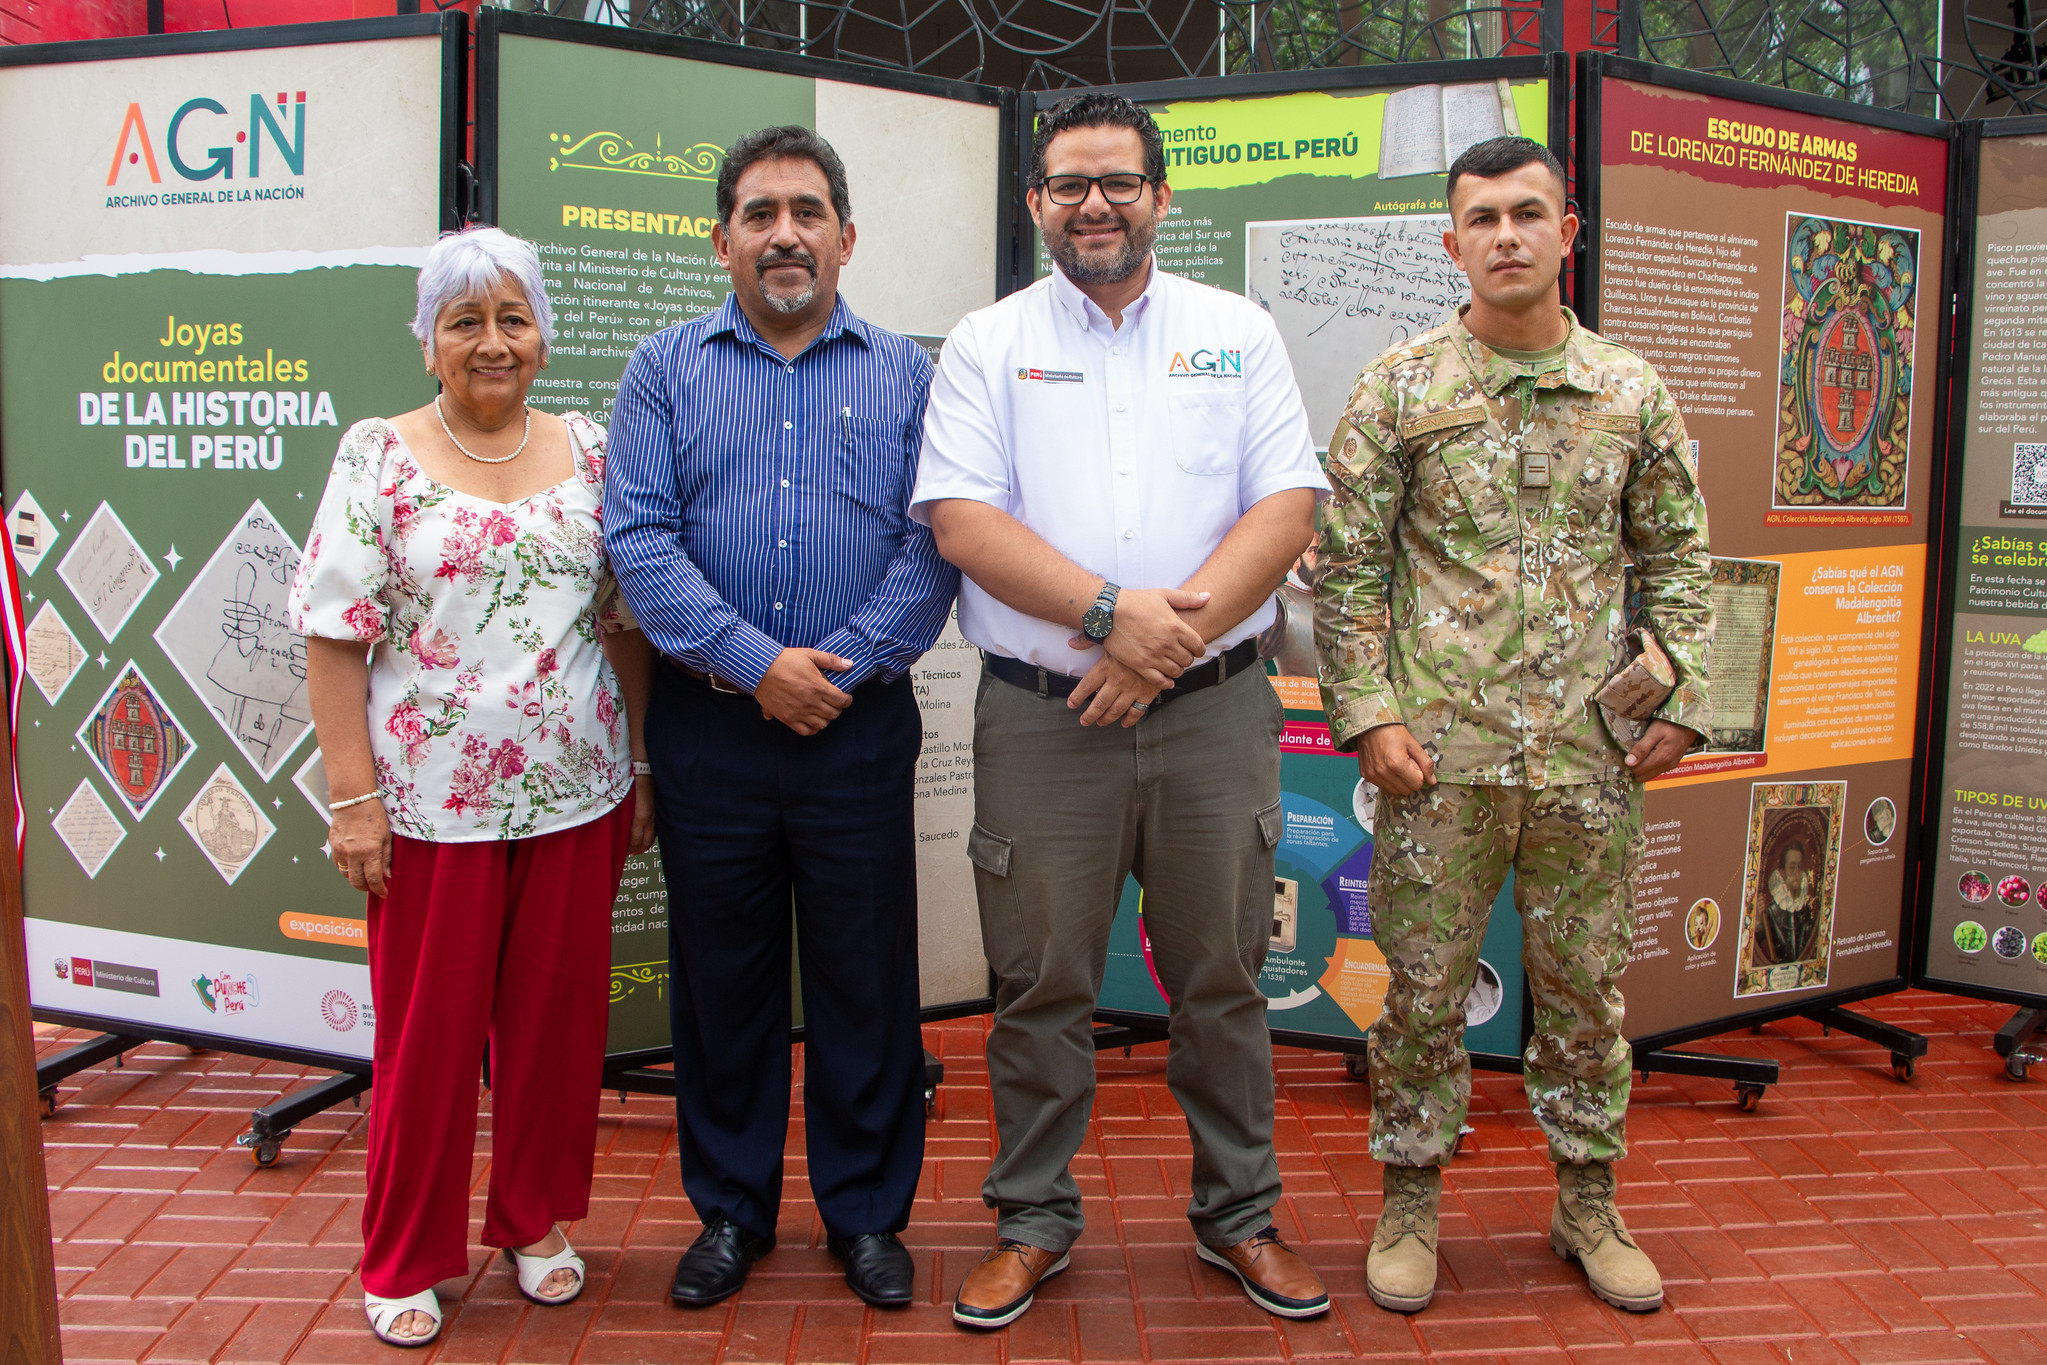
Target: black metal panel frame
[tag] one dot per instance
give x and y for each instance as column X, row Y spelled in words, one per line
column 1593, row 69
column 211, row 1042
column 1962, row 215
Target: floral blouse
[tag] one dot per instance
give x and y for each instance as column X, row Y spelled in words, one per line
column 493, row 712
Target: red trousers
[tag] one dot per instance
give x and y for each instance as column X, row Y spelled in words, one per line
column 509, row 941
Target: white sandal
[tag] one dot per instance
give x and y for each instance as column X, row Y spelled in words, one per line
column 383, row 1312
column 534, row 1270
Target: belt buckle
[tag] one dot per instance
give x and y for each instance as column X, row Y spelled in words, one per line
column 718, row 684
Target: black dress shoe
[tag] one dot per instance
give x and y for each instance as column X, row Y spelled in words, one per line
column 878, row 1268
column 716, row 1263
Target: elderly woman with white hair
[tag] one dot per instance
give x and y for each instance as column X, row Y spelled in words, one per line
column 477, row 686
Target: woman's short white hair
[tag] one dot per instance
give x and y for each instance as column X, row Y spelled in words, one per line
column 472, row 262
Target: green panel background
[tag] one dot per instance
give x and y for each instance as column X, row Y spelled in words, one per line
column 348, row 324
column 561, row 94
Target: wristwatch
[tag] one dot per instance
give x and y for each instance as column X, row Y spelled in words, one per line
column 1101, row 617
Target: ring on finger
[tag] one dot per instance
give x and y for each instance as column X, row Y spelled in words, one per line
column 1140, row 707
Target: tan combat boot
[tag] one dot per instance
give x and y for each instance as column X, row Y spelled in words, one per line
column 1587, row 1225
column 1400, row 1270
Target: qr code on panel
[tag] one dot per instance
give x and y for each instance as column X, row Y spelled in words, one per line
column 2029, row 474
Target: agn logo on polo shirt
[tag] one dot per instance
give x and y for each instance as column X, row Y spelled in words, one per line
column 1206, row 364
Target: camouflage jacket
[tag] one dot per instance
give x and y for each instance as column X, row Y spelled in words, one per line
column 1485, row 615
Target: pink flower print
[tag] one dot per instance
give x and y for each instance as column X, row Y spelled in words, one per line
column 470, row 785
column 508, row 759
column 607, row 716
column 365, row 616
column 595, row 458
column 461, row 551
column 500, row 529
column 408, row 726
column 437, row 649
column 526, row 700
column 404, row 511
column 545, row 663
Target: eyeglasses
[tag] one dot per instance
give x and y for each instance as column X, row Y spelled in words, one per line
column 1120, row 187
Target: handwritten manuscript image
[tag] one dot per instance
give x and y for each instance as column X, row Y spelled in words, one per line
column 1844, row 397
column 88, row 828
column 54, row 654
column 1788, row 884
column 231, row 637
column 1341, row 290
column 107, row 571
column 1744, row 595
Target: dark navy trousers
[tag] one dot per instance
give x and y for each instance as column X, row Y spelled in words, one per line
column 752, row 814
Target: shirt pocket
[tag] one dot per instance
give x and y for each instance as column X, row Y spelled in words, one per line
column 1454, row 493
column 868, row 466
column 1601, row 479
column 1206, row 427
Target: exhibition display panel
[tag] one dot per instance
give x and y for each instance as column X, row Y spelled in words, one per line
column 1781, row 260
column 206, row 270
column 1984, row 889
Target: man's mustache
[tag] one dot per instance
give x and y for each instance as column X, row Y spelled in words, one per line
column 1093, row 225
column 779, row 258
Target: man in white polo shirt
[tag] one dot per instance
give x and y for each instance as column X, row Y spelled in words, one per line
column 1118, row 461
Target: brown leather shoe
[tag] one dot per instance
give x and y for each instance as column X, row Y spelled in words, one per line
column 1275, row 1278
column 997, row 1291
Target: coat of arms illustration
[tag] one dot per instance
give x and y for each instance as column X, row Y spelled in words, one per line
column 1844, row 405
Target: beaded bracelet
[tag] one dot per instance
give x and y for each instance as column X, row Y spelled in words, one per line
column 353, row 801
column 641, row 768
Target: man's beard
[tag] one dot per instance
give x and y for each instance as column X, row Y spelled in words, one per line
column 795, row 303
column 1113, row 269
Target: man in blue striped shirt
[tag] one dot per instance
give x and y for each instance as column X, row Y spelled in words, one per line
column 761, row 460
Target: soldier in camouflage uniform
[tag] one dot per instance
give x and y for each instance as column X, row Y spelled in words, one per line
column 1493, row 479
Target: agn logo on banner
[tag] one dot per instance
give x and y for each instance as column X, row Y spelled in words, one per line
column 137, row 150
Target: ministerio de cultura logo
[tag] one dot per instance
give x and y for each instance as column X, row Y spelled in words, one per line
column 202, row 142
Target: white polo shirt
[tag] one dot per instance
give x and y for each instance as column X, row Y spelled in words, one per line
column 1132, row 451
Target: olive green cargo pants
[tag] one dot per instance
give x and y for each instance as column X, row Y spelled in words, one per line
column 1187, row 800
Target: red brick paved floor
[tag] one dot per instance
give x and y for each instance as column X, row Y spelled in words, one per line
column 1850, row 1218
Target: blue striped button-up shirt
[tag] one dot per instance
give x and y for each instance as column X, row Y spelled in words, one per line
column 753, row 503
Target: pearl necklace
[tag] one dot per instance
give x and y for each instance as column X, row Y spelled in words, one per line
column 481, row 459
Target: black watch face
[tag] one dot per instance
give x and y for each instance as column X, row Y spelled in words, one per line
column 1095, row 624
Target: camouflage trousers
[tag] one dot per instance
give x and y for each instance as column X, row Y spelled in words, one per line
column 1438, row 860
